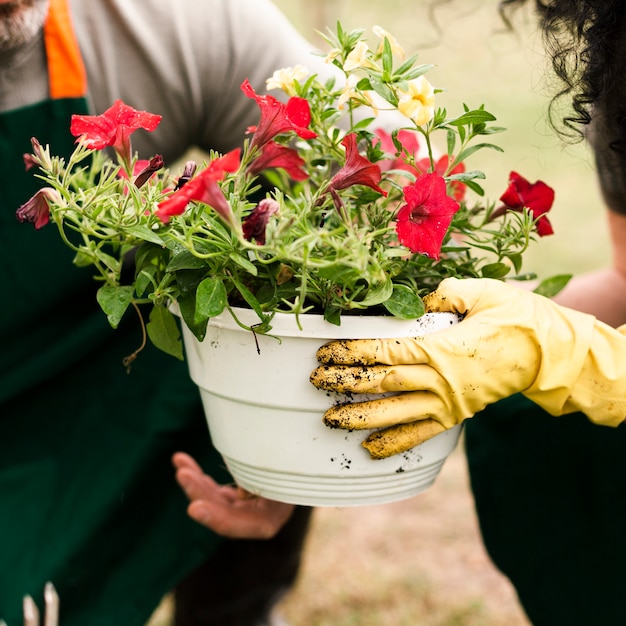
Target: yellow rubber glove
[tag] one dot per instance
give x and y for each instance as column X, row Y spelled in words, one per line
column 509, row 341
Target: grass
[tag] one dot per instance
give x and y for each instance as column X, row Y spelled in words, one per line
column 421, row 561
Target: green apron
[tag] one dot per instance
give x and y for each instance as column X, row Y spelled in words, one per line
column 551, row 499
column 87, row 490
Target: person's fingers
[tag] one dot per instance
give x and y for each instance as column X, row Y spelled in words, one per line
column 182, row 459
column 229, row 511
column 252, row 518
column 396, row 439
column 377, row 378
column 196, row 484
column 460, row 295
column 400, row 409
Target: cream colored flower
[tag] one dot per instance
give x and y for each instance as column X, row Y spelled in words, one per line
column 358, row 58
column 418, row 101
column 285, row 77
column 332, row 55
column 396, row 48
column 350, row 92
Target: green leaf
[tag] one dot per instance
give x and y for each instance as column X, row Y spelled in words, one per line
column 516, row 259
column 187, row 305
column 332, row 315
column 477, row 116
column 211, row 298
column 464, row 154
column 244, row 263
column 144, row 233
column 164, row 332
column 495, row 270
column 378, row 294
column 387, row 58
column 408, row 65
column 451, row 138
column 553, row 285
column 384, row 92
column 114, row 301
column 184, row 260
column 404, row 303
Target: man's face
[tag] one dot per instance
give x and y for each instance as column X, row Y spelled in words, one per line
column 20, row 21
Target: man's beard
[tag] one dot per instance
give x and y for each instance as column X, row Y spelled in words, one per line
column 20, row 21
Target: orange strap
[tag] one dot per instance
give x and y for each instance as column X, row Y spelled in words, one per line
column 66, row 71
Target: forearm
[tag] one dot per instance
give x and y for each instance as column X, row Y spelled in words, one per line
column 602, row 293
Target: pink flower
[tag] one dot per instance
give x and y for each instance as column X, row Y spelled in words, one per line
column 425, row 218
column 113, row 128
column 255, row 223
column 38, row 156
column 357, row 170
column 278, row 118
column 536, row 197
column 37, row 209
column 203, row 188
column 409, row 140
column 275, row 155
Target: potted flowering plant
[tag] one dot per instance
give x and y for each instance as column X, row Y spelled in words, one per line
column 340, row 202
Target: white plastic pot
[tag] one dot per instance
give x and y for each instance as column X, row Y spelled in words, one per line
column 265, row 417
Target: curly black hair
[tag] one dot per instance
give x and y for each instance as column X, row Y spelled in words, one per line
column 586, row 41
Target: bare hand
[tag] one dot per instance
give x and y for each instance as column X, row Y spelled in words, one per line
column 229, row 511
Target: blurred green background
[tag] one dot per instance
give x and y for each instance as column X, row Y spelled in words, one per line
column 480, row 61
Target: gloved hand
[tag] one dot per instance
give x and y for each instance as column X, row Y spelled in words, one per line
column 509, row 341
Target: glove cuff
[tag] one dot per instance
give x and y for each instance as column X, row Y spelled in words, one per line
column 585, row 370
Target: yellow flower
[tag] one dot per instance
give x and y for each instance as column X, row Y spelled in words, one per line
column 396, row 48
column 417, row 102
column 284, row 79
column 357, row 58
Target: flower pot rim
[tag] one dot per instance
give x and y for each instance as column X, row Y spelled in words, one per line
column 351, row 327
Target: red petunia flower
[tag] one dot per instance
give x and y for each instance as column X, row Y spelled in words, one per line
column 425, row 218
column 536, row 197
column 37, row 210
column 113, row 128
column 409, row 140
column 277, row 117
column 255, row 224
column 456, row 187
column 357, row 170
column 203, row 188
column 275, row 155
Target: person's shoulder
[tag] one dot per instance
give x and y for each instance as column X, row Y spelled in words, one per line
column 195, row 11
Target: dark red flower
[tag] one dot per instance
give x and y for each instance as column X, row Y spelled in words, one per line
column 255, row 223
column 425, row 218
column 37, row 209
column 536, row 197
column 357, row 170
column 203, row 188
column 189, row 169
column 278, row 117
column 113, row 128
column 147, row 170
column 275, row 155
